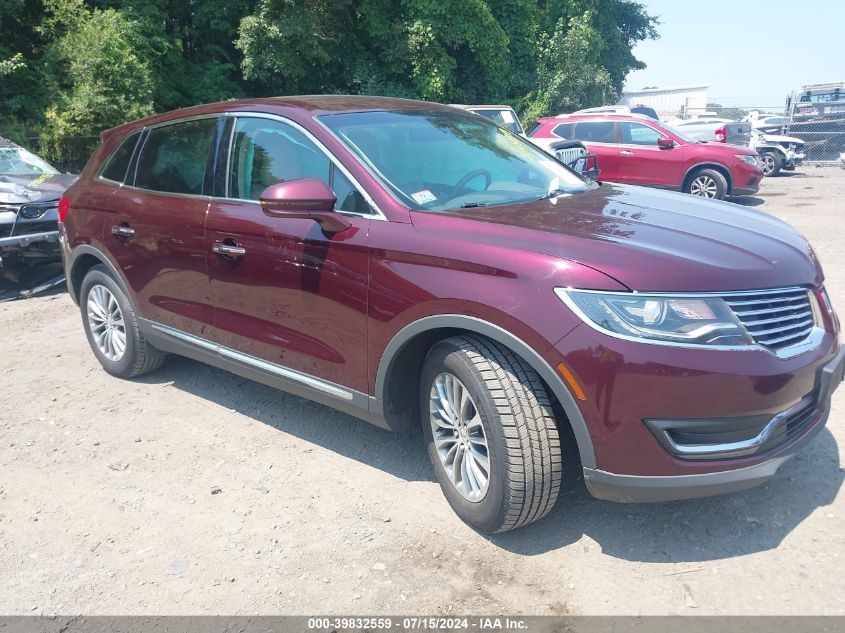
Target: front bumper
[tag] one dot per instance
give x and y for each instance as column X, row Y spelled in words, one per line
column 29, row 248
column 650, row 488
column 22, row 241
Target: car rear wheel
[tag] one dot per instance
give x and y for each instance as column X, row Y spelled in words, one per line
column 707, row 183
column 771, row 163
column 491, row 433
column 111, row 326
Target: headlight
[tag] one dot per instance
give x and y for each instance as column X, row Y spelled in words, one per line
column 681, row 319
column 747, row 158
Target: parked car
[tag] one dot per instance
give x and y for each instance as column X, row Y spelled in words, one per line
column 714, row 130
column 30, row 189
column 571, row 153
column 634, row 149
column 409, row 263
column 777, row 152
column 769, row 124
column 621, row 109
column 501, row 115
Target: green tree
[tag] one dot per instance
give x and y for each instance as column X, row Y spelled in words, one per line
column 541, row 56
column 101, row 73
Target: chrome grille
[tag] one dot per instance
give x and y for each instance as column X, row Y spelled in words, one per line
column 569, row 155
column 774, row 318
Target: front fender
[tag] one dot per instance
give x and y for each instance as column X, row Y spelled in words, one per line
column 503, row 337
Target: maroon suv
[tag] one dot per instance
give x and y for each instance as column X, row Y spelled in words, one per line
column 637, row 150
column 409, row 263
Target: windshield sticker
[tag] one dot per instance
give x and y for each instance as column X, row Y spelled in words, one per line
column 507, row 115
column 423, row 197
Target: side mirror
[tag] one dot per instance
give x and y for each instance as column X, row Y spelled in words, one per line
column 306, row 198
column 664, row 142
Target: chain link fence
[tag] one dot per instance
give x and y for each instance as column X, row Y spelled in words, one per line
column 820, row 126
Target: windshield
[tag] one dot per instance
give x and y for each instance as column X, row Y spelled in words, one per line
column 438, row 160
column 17, row 161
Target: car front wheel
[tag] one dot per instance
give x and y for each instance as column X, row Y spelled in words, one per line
column 491, row 433
column 771, row 163
column 707, row 183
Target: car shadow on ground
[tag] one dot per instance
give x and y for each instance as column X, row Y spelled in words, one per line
column 400, row 454
column 705, row 529
column 747, row 201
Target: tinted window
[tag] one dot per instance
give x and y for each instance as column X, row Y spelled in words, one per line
column 267, row 152
column 638, row 134
column 119, row 160
column 596, row 131
column 564, row 130
column 174, row 157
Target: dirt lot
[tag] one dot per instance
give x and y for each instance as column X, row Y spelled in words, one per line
column 107, row 502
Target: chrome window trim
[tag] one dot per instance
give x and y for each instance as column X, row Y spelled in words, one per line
column 812, row 340
column 377, row 214
column 333, row 389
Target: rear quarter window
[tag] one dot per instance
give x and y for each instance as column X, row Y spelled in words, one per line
column 118, row 162
column 564, row 130
column 175, row 157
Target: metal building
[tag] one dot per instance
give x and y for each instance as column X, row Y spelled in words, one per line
column 670, row 103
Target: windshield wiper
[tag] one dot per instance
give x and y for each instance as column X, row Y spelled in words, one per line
column 472, row 205
column 554, row 193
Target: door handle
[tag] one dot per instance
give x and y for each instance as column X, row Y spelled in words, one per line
column 123, row 231
column 625, row 152
column 229, row 250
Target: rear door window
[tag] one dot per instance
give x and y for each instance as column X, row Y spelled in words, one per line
column 175, row 157
column 118, row 162
column 596, row 131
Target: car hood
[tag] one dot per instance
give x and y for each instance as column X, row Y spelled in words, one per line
column 16, row 189
column 777, row 138
column 727, row 148
column 648, row 240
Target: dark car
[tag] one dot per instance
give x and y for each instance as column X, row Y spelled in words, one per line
column 634, row 149
column 409, row 263
column 30, row 189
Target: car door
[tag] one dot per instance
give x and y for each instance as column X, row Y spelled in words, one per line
column 642, row 161
column 155, row 227
column 599, row 137
column 291, row 294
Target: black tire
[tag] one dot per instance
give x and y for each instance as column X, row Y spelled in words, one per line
column 771, row 163
column 522, row 438
column 139, row 357
column 701, row 176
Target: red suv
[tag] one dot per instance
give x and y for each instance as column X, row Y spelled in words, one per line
column 409, row 263
column 637, row 150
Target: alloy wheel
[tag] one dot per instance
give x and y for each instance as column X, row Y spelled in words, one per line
column 704, row 186
column 768, row 164
column 106, row 322
column 459, row 437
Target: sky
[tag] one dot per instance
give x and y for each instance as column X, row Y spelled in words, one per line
column 752, row 53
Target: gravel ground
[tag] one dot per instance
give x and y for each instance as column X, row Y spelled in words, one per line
column 194, row 491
